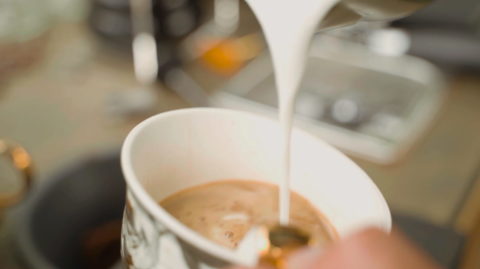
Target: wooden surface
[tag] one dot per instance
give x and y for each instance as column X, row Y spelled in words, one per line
column 468, row 221
column 468, row 218
column 471, row 258
column 58, row 109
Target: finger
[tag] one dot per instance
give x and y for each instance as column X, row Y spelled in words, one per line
column 368, row 249
column 304, row 259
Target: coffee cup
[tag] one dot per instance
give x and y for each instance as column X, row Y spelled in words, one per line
column 179, row 149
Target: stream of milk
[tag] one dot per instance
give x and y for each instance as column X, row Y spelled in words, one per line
column 288, row 26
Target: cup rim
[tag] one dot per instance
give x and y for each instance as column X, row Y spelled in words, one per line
column 150, row 205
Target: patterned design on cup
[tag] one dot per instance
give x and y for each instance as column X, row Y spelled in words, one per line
column 140, row 236
column 198, row 259
column 148, row 244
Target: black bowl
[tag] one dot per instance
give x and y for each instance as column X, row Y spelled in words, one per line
column 73, row 220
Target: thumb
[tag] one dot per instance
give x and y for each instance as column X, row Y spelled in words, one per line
column 306, row 258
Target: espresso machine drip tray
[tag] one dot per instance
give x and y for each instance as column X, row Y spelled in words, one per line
column 369, row 105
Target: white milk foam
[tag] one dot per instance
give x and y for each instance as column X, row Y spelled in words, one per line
column 288, row 26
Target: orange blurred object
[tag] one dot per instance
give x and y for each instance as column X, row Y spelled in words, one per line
column 227, row 56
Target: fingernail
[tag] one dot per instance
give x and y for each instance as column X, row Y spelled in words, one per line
column 303, row 259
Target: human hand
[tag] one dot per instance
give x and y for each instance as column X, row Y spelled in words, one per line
column 368, row 249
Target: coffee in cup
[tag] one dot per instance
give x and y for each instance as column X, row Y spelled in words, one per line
column 225, row 210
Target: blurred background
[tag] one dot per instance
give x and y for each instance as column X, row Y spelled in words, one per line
column 402, row 99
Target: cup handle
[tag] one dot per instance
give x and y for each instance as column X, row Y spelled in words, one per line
column 21, row 160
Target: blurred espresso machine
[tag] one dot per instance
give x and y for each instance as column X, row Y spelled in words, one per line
column 364, row 89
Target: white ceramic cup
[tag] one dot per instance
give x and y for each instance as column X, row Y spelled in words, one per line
column 183, row 148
